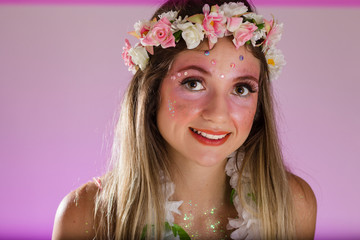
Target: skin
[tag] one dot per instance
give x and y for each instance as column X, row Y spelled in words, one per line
column 208, row 95
column 214, row 98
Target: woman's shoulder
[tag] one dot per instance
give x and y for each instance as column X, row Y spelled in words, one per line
column 75, row 215
column 305, row 206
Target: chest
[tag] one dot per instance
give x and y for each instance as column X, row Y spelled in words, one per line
column 206, row 223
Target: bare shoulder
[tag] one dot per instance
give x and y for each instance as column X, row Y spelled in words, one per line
column 75, row 215
column 305, row 207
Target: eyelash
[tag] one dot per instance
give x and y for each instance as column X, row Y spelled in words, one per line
column 191, row 80
column 249, row 85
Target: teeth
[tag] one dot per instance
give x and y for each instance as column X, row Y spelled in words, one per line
column 209, row 136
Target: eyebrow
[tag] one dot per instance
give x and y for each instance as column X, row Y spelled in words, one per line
column 202, row 70
column 195, row 67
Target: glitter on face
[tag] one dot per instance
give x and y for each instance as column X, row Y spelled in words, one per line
column 171, row 107
column 213, row 62
column 207, row 53
column 173, row 77
column 179, row 74
column 232, row 65
column 241, row 57
column 222, row 76
column 185, row 73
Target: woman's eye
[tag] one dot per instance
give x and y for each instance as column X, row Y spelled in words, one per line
column 241, row 90
column 193, row 85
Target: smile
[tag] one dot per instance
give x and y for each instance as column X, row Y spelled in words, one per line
column 208, row 137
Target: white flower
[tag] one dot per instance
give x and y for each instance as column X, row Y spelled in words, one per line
column 233, row 9
column 257, row 35
column 258, row 18
column 139, row 57
column 171, row 15
column 141, row 26
column 193, row 34
column 276, row 61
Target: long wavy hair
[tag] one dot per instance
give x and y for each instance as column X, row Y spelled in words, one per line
column 132, row 196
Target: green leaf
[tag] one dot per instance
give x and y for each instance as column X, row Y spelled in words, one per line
column 181, row 232
column 167, row 226
column 143, row 234
column 197, row 18
column 232, row 195
column 261, row 25
column 252, row 196
column 177, row 35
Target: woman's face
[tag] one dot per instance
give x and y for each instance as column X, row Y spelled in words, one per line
column 208, row 102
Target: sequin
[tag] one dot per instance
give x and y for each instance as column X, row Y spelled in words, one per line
column 241, row 57
column 222, row 76
column 185, row 73
column 213, row 62
column 232, row 65
column 207, row 53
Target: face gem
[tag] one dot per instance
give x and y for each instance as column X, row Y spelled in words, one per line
column 222, row 76
column 207, row 53
column 241, row 57
column 185, row 73
column 213, row 62
column 173, row 77
column 232, row 65
column 179, row 74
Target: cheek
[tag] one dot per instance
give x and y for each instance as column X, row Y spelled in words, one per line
column 243, row 114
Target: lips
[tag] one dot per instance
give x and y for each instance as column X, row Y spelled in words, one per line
column 208, row 137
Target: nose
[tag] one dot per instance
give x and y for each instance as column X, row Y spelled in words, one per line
column 216, row 110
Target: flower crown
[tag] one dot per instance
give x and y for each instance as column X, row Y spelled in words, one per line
column 215, row 22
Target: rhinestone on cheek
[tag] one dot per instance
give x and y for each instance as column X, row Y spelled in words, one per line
column 222, row 76
column 213, row 62
column 232, row 65
column 207, row 53
column 241, row 57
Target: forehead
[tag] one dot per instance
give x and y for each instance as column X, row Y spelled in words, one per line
column 222, row 55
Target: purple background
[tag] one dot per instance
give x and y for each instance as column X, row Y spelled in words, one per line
column 62, row 77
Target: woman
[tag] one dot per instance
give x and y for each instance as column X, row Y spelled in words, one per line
column 196, row 153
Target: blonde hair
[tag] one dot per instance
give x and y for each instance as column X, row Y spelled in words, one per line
column 132, row 196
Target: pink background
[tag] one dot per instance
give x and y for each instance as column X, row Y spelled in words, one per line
column 62, row 77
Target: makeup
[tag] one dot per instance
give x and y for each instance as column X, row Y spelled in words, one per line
column 213, row 62
column 208, row 137
column 241, row 57
column 171, row 107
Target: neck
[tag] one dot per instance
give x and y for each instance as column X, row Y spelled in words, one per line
column 207, row 186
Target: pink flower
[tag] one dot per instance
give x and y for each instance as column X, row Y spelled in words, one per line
column 213, row 24
column 126, row 56
column 243, row 34
column 160, row 33
column 274, row 32
column 233, row 23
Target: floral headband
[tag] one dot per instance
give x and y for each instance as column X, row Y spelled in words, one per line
column 215, row 22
